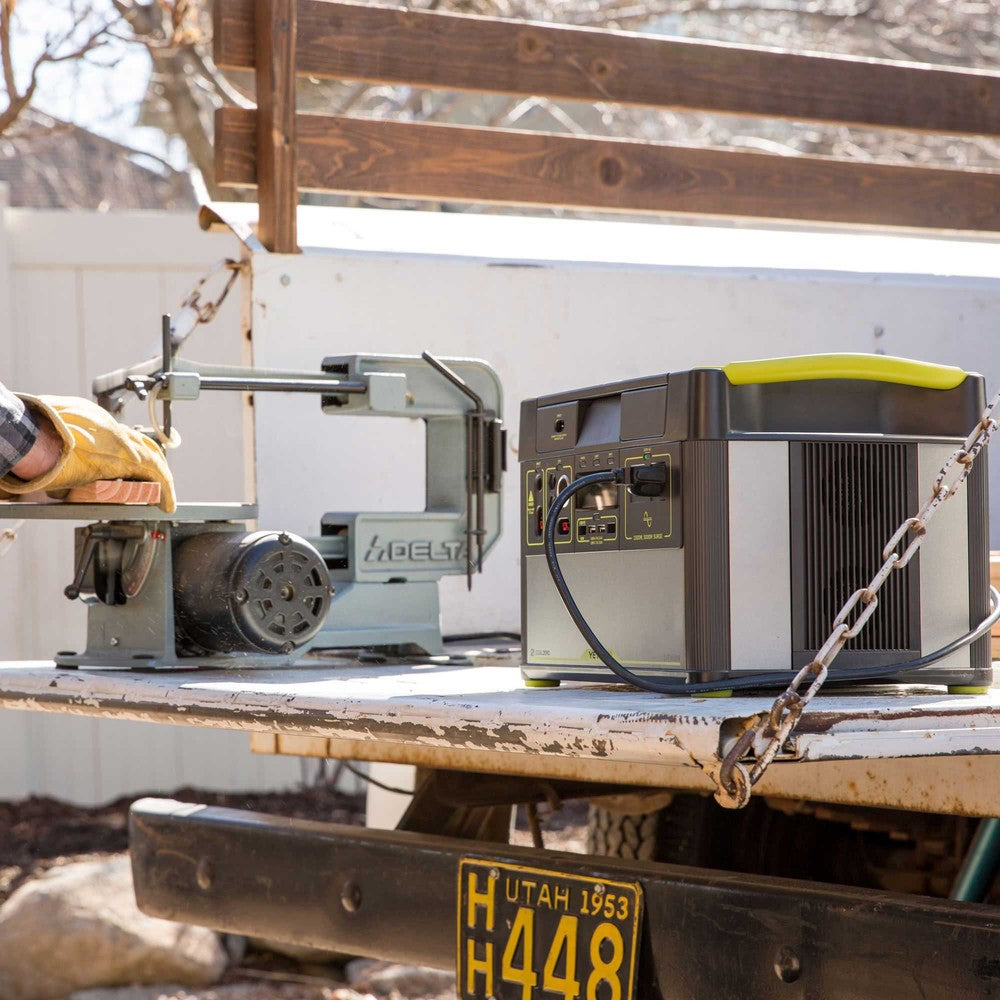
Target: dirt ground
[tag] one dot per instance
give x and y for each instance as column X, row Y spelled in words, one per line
column 40, row 833
column 37, row 834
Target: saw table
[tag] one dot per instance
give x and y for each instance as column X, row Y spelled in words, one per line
column 902, row 747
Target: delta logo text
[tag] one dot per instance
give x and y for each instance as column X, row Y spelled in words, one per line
column 414, row 551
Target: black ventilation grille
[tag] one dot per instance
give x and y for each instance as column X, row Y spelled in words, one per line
column 854, row 496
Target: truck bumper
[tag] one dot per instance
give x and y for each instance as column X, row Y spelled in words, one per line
column 392, row 895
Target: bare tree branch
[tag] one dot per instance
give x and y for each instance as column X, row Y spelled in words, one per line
column 54, row 52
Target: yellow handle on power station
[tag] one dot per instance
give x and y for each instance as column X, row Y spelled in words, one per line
column 869, row 367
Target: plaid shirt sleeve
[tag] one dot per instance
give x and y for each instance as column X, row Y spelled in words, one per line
column 17, row 431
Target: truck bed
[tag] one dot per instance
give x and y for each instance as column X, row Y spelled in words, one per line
column 904, row 747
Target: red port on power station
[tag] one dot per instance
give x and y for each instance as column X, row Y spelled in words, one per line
column 563, row 526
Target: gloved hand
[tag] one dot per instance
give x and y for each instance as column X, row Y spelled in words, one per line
column 94, row 446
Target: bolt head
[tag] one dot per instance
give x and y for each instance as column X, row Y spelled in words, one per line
column 205, row 874
column 114, row 640
column 288, row 648
column 286, row 280
column 350, row 897
column 241, row 596
column 787, row 966
column 284, row 538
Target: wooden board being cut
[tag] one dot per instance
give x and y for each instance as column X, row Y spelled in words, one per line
column 115, row 491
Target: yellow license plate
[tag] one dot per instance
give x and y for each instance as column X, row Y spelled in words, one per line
column 533, row 934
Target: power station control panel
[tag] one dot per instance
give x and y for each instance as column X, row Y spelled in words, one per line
column 565, row 441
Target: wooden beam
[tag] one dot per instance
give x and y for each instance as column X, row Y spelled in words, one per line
column 453, row 163
column 460, row 52
column 277, row 190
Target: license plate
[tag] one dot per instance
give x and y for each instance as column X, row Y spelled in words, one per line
column 534, row 934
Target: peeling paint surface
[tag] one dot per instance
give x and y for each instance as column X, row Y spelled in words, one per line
column 487, row 708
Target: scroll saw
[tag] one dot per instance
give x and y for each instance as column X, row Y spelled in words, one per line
column 195, row 588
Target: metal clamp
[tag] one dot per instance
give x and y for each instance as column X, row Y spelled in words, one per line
column 481, row 429
column 133, row 570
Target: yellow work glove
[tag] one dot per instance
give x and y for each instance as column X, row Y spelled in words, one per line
column 94, row 446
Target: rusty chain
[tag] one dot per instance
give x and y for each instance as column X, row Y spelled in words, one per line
column 191, row 314
column 735, row 778
column 193, row 311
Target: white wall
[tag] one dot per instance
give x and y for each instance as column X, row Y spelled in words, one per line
column 81, row 294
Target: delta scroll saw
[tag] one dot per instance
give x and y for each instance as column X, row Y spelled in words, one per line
column 195, row 588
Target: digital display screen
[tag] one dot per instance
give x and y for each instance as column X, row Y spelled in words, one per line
column 600, row 496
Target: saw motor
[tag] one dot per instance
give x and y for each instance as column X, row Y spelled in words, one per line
column 192, row 589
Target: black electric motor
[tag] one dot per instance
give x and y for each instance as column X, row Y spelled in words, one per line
column 267, row 592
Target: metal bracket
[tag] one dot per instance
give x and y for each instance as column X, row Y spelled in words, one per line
column 485, row 463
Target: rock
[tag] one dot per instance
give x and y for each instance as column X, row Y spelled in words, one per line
column 383, row 978
column 234, row 991
column 236, row 947
column 345, row 993
column 78, row 927
column 166, row 992
column 300, row 952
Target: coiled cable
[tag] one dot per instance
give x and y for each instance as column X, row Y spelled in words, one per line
column 756, row 681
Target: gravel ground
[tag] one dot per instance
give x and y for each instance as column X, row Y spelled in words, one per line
column 37, row 834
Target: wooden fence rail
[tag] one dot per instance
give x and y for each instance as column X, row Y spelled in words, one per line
column 453, row 163
column 351, row 41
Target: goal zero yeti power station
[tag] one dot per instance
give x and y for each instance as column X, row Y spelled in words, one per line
column 779, row 483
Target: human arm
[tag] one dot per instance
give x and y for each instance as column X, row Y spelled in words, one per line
column 26, row 449
column 67, row 442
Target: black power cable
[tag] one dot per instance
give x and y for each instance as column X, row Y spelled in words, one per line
column 747, row 682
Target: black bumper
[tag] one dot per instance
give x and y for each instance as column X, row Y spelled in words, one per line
column 392, row 895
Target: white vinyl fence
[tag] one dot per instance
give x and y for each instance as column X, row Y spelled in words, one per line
column 81, row 294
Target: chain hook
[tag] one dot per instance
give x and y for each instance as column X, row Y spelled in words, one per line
column 734, row 794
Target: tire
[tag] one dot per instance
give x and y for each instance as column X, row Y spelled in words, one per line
column 677, row 833
column 694, row 831
column 613, row 835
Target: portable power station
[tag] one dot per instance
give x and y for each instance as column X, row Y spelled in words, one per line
column 781, row 481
